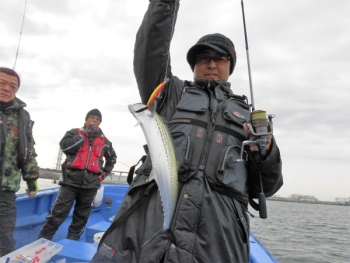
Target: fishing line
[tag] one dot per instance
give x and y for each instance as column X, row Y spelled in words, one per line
column 152, row 238
column 20, row 34
column 123, row 163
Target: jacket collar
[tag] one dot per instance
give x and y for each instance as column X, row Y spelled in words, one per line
column 212, row 84
column 220, row 89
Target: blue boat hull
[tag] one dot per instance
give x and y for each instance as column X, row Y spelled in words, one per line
column 31, row 214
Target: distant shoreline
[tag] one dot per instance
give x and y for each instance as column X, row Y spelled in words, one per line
column 286, row 199
column 116, row 177
column 55, row 174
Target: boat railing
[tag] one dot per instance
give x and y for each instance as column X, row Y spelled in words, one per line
column 116, row 177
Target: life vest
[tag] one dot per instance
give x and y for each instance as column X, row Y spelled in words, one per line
column 207, row 134
column 89, row 157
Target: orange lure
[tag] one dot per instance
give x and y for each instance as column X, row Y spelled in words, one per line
column 155, row 94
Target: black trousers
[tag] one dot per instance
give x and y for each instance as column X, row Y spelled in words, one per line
column 60, row 210
column 7, row 221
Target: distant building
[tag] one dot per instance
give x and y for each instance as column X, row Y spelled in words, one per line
column 305, row 198
column 342, row 200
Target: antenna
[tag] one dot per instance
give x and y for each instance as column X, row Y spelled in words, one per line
column 20, row 34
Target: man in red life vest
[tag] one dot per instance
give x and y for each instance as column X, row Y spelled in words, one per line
column 82, row 174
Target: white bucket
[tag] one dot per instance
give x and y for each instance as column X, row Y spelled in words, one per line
column 97, row 237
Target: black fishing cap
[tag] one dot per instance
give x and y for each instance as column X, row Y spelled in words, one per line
column 216, row 41
column 95, row 112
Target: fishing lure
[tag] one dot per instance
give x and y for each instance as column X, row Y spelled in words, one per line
column 155, row 94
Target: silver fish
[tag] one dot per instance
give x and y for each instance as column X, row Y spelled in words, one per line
column 161, row 149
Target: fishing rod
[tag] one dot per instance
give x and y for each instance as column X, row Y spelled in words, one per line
column 20, row 35
column 248, row 60
column 259, row 126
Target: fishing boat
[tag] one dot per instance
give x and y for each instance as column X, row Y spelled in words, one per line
column 31, row 214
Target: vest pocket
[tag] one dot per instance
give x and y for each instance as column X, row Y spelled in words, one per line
column 232, row 170
column 235, row 116
column 183, row 151
column 75, row 161
column 194, row 100
column 236, row 112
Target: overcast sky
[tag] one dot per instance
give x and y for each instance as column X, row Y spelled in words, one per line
column 78, row 55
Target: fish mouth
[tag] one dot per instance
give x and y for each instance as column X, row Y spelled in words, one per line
column 137, row 107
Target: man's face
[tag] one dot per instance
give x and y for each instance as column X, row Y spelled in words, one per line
column 212, row 65
column 8, row 87
column 93, row 120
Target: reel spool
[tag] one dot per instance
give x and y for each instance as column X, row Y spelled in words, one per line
column 260, row 126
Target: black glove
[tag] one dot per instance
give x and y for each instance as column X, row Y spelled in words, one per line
column 89, row 130
column 102, row 176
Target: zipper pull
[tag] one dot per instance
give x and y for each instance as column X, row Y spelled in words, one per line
column 213, row 117
column 183, row 92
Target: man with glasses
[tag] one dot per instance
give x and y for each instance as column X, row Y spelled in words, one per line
column 82, row 173
column 17, row 155
column 206, row 120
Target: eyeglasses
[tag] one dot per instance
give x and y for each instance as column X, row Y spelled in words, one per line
column 94, row 117
column 206, row 58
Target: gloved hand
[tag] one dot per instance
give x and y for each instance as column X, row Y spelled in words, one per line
column 102, row 176
column 89, row 130
column 33, row 188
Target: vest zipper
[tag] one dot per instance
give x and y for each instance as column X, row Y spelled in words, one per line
column 188, row 146
column 26, row 142
column 212, row 123
column 209, row 136
column 88, row 157
column 30, row 148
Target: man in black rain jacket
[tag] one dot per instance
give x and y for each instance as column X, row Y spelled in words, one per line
column 82, row 173
column 206, row 121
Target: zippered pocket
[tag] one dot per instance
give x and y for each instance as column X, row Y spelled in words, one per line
column 231, row 170
column 78, row 161
column 183, row 151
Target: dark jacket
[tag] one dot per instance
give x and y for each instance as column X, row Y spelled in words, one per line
column 17, row 153
column 210, row 223
column 70, row 144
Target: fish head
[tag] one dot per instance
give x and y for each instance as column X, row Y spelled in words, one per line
column 140, row 112
column 137, row 108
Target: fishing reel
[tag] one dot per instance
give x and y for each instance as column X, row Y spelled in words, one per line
column 260, row 127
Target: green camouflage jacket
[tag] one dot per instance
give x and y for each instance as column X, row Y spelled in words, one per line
column 17, row 153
